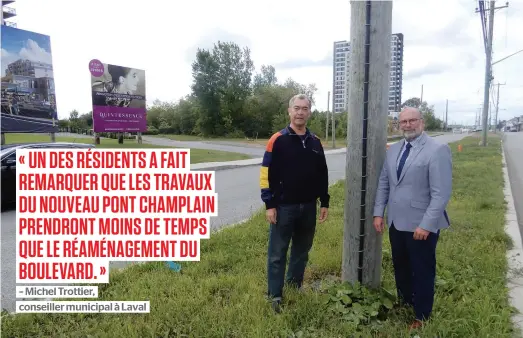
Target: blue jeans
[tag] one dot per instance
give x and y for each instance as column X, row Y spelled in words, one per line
column 296, row 222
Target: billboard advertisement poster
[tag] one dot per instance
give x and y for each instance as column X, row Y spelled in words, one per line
column 118, row 95
column 27, row 90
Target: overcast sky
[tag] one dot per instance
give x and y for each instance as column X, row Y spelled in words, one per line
column 443, row 45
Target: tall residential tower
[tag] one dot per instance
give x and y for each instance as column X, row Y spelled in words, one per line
column 341, row 67
column 7, row 13
column 340, row 76
column 396, row 72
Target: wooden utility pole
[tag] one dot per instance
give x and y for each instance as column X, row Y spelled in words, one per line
column 371, row 26
column 327, row 118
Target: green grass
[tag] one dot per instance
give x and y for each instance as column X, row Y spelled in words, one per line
column 197, row 155
column 223, row 294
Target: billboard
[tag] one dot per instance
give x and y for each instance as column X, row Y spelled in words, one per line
column 27, row 90
column 118, row 95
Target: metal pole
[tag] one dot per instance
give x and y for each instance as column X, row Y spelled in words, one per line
column 497, row 108
column 447, row 115
column 327, row 117
column 333, row 130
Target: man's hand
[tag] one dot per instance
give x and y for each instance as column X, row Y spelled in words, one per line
column 421, row 234
column 270, row 215
column 378, row 224
column 324, row 212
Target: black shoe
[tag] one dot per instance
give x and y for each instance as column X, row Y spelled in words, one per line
column 276, row 305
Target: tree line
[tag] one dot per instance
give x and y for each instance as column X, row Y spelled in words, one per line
column 228, row 99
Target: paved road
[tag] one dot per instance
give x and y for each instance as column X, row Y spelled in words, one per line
column 513, row 143
column 238, row 198
column 252, row 150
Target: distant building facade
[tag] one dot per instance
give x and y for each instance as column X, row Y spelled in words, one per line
column 341, row 71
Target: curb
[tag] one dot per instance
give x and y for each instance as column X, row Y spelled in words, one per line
column 216, row 166
column 515, row 254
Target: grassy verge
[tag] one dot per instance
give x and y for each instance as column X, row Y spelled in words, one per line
column 223, row 294
column 241, row 141
column 197, row 155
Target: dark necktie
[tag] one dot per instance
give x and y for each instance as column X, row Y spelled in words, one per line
column 403, row 159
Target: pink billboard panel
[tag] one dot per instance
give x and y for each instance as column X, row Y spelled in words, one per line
column 118, row 95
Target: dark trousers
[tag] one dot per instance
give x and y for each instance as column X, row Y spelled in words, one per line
column 414, row 269
column 296, row 222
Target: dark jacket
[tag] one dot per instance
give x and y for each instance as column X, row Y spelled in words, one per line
column 294, row 170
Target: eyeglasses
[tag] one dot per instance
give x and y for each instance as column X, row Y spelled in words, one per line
column 411, row 121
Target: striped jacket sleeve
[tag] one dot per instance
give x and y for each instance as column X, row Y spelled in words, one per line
column 267, row 173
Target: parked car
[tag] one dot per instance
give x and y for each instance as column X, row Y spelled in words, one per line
column 8, row 163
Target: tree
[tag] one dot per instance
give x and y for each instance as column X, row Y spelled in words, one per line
column 222, row 84
column 74, row 121
column 430, row 119
column 266, row 78
column 205, row 88
column 86, row 120
column 412, row 102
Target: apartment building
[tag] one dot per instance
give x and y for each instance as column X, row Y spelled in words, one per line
column 341, row 71
column 340, row 66
column 396, row 72
column 8, row 13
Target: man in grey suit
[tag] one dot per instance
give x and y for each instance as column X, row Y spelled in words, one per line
column 415, row 185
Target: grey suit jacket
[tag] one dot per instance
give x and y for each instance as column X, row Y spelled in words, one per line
column 419, row 197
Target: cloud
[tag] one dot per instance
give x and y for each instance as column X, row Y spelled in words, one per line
column 430, row 69
column 454, row 63
column 33, row 52
column 7, row 58
column 454, row 34
column 305, row 62
column 208, row 40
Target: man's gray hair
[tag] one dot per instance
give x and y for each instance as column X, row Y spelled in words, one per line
column 299, row 97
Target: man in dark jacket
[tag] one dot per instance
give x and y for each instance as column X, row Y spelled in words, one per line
column 293, row 176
